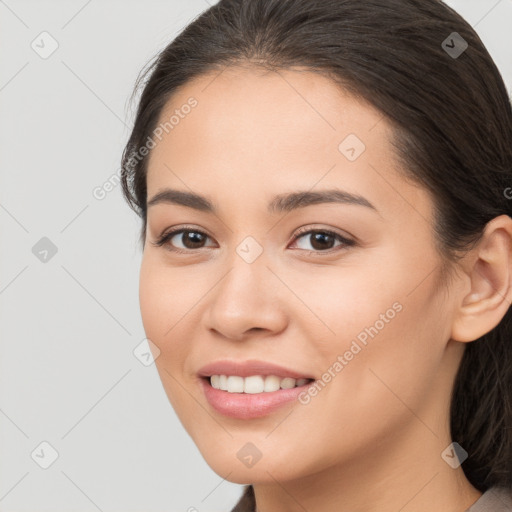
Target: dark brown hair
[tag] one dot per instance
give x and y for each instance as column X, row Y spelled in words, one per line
column 452, row 121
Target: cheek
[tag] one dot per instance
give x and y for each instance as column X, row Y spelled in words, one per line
column 385, row 360
column 159, row 312
column 168, row 299
column 387, row 337
column 166, row 296
column 152, row 301
column 164, row 303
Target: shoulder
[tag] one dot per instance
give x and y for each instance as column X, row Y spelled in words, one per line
column 495, row 499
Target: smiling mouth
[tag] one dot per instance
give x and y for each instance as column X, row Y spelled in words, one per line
column 254, row 384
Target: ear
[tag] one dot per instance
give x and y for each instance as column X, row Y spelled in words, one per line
column 488, row 270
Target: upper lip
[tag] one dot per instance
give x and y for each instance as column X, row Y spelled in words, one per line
column 248, row 368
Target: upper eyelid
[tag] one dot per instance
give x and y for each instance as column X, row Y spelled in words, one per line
column 303, row 230
column 298, row 233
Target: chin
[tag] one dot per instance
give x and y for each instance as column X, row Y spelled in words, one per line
column 232, row 467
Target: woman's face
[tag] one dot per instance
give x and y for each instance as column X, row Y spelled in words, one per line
column 342, row 289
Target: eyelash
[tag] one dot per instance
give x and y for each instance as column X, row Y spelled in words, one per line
column 165, row 237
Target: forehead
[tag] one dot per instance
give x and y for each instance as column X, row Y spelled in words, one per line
column 266, row 111
column 255, row 132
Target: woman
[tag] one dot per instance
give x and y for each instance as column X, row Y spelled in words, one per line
column 324, row 188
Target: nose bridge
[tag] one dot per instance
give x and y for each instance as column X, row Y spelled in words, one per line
column 245, row 298
column 248, row 263
column 247, row 280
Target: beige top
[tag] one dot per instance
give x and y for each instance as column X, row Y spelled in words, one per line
column 495, row 499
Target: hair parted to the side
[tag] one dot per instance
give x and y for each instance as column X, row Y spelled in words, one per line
column 452, row 122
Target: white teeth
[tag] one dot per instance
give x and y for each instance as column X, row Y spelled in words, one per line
column 235, row 384
column 215, row 381
column 288, row 383
column 272, row 383
column 254, row 383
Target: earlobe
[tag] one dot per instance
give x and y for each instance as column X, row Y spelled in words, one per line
column 488, row 268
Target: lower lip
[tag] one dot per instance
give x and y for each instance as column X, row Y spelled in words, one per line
column 249, row 405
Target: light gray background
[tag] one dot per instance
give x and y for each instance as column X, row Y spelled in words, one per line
column 68, row 375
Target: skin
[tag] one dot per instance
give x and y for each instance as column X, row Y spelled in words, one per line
column 372, row 438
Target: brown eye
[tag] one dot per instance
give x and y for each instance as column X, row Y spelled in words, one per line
column 321, row 240
column 189, row 239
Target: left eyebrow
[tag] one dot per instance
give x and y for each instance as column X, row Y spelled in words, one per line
column 280, row 203
column 301, row 199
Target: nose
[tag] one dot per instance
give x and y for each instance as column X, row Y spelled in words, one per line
column 249, row 299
